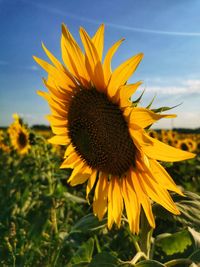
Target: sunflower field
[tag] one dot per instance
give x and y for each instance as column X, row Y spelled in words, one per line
column 105, row 190
column 45, row 222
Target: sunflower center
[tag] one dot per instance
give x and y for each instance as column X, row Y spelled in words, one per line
column 99, row 133
column 184, row 147
column 22, row 139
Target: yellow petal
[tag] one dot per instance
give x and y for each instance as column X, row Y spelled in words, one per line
column 56, row 121
column 61, row 78
column 98, row 41
column 126, row 91
column 91, row 182
column 110, row 206
column 70, row 149
column 140, row 140
column 80, row 174
column 93, row 63
column 117, row 200
column 59, row 140
column 56, row 108
column 53, row 59
column 143, row 198
column 131, row 204
column 57, row 93
column 163, row 152
column 79, row 178
column 71, row 161
column 73, row 57
column 143, row 117
column 107, row 61
column 157, row 193
column 59, row 130
column 122, row 73
column 100, row 196
column 162, row 177
column 76, row 170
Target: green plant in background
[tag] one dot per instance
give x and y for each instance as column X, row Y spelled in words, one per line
column 45, row 222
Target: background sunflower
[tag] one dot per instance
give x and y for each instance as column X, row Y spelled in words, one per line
column 19, row 136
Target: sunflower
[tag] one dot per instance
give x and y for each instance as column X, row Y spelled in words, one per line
column 1, row 136
column 107, row 145
column 192, row 144
column 173, row 135
column 19, row 137
column 4, row 148
column 184, row 145
column 153, row 134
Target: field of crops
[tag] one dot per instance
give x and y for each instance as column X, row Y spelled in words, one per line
column 46, row 222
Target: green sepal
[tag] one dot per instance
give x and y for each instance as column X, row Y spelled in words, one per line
column 151, row 102
column 136, row 102
column 162, row 109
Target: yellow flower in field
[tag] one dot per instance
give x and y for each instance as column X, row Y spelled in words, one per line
column 184, row 145
column 16, row 117
column 153, row 134
column 192, row 144
column 1, row 136
column 4, row 148
column 19, row 137
column 173, row 135
column 107, row 145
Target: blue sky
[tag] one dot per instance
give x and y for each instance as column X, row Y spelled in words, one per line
column 166, row 31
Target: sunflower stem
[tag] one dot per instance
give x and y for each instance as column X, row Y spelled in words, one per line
column 137, row 257
column 145, row 235
column 97, row 244
column 136, row 244
column 54, row 218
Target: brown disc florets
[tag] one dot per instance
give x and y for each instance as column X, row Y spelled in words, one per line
column 99, row 132
column 22, row 139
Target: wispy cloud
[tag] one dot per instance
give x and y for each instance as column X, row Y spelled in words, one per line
column 32, row 67
column 185, row 87
column 110, row 24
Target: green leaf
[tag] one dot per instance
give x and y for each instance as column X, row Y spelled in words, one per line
column 83, row 254
column 151, row 102
column 73, row 198
column 195, row 256
column 180, row 263
column 174, row 243
column 104, row 259
column 89, row 223
column 189, row 206
column 162, row 109
column 149, row 263
column 135, row 103
column 195, row 237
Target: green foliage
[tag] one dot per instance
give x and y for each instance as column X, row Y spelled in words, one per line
column 104, row 259
column 149, row 263
column 89, row 223
column 174, row 243
column 162, row 109
column 45, row 222
column 189, row 206
column 83, row 256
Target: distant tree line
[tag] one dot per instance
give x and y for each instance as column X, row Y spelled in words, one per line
column 179, row 130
